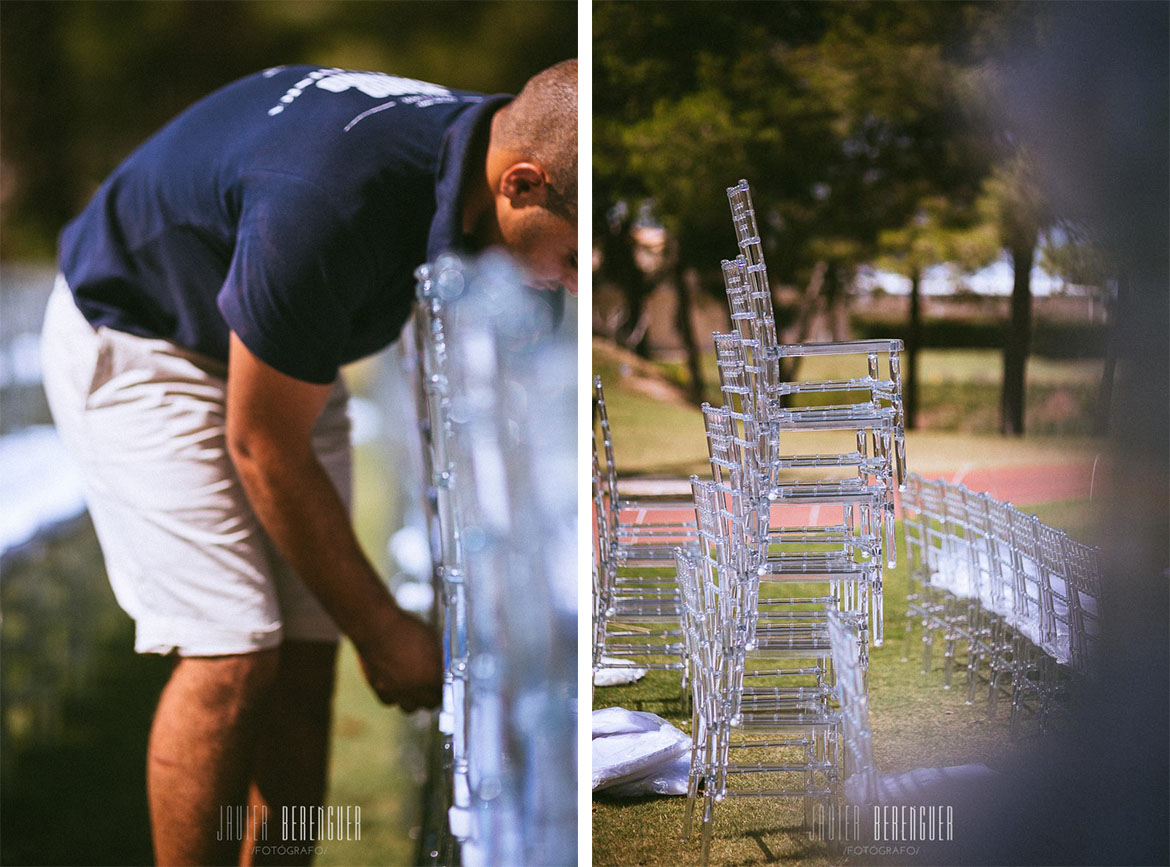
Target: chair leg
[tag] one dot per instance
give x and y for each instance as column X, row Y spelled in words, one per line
column 708, row 823
column 974, row 654
column 909, row 632
column 948, row 658
column 927, row 645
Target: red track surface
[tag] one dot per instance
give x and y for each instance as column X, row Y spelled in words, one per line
column 1020, row 486
column 1025, row 485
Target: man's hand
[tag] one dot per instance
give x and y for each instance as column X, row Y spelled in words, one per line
column 270, row 419
column 404, row 664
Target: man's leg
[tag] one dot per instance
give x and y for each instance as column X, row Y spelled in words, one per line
column 292, row 749
column 200, row 755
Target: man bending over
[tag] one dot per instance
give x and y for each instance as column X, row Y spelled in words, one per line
column 209, row 294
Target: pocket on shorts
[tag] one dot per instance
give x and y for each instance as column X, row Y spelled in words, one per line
column 102, row 390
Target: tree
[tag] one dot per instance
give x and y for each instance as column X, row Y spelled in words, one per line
column 1016, row 205
column 84, row 83
column 940, row 232
column 843, row 117
column 1072, row 253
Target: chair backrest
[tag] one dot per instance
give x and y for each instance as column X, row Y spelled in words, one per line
column 1056, row 599
column 609, row 466
column 434, row 373
column 1084, row 577
column 603, row 541
column 1029, row 610
column 849, row 677
column 1002, row 591
column 957, row 543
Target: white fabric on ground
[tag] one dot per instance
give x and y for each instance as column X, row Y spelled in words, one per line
column 616, row 676
column 638, row 753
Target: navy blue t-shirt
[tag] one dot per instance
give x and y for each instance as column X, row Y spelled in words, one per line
column 290, row 207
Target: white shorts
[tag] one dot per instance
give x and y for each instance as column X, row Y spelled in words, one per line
column 186, row 556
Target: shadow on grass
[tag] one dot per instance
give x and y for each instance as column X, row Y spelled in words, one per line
column 75, row 729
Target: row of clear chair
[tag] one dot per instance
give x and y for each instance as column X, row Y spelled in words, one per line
column 497, row 386
column 1018, row 596
column 636, row 606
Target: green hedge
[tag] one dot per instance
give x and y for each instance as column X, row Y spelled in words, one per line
column 1049, row 339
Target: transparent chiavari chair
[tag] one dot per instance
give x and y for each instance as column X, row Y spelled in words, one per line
column 930, row 527
column 1029, row 607
column 921, row 596
column 637, row 612
column 985, row 611
column 764, row 726
column 884, row 395
column 431, row 338
column 646, row 527
column 959, row 578
column 635, row 608
column 864, row 786
column 834, row 558
column 1084, row 581
column 845, row 546
column 1038, row 676
column 861, row 782
column 508, row 429
column 1002, row 599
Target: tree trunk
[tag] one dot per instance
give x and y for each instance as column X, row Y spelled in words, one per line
column 798, row 332
column 687, row 281
column 913, row 341
column 619, row 265
column 1105, row 396
column 1017, row 341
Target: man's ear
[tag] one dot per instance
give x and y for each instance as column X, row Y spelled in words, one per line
column 524, row 184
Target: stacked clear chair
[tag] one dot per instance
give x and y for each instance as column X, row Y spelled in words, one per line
column 797, row 522
column 863, row 422
column 636, row 605
column 1019, row 598
column 497, row 386
column 763, row 721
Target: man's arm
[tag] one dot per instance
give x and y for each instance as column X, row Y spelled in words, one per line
column 270, row 418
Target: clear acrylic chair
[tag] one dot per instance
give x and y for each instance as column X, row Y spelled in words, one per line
column 450, row 611
column 1020, row 595
column 850, row 479
column 754, row 319
column 864, row 786
column 763, row 725
column 499, row 386
column 859, row 772
column 636, row 609
column 647, row 527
